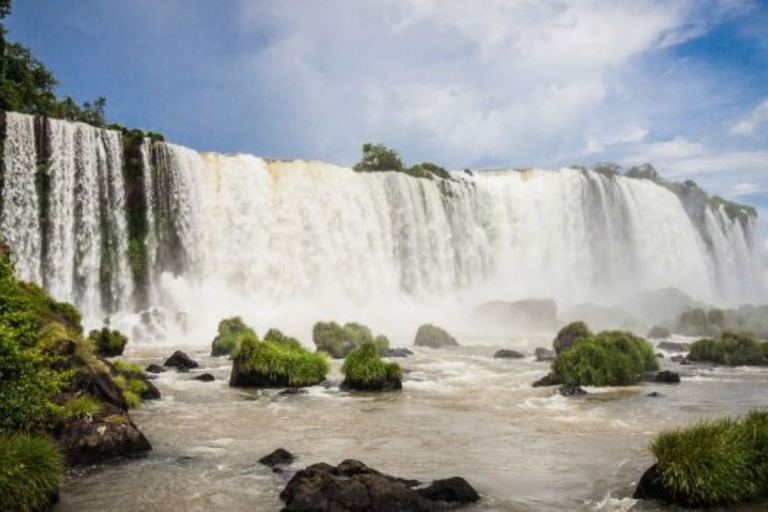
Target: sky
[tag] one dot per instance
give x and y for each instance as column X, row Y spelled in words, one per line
column 682, row 84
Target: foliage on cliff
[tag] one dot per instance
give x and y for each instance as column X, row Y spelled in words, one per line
column 379, row 158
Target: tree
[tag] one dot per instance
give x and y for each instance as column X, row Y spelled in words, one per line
column 377, row 157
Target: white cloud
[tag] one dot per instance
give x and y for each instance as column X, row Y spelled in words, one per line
column 452, row 81
column 756, row 118
column 745, row 189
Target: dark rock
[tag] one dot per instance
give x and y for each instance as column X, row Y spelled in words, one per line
column 98, row 384
column 450, row 490
column 667, row 377
column 277, row 457
column 660, row 355
column 508, row 354
column 567, row 390
column 352, row 486
column 654, row 394
column 293, row 391
column 542, row 354
column 385, row 385
column 154, row 368
column 396, row 352
column 181, row 361
column 242, row 377
column 546, row 380
column 651, row 487
column 432, row 336
column 107, row 436
column 205, row 377
column 671, row 346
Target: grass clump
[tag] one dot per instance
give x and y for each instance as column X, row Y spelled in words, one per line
column 432, row 336
column 108, row 343
column 733, row 349
column 123, row 366
column 226, row 339
column 611, row 358
column 30, row 472
column 132, row 389
column 364, row 370
column 568, row 335
column 276, row 363
column 720, row 462
column 338, row 341
column 81, row 405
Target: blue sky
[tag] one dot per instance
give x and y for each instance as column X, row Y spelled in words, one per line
column 488, row 83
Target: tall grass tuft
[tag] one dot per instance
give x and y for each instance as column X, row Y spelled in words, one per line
column 30, row 472
column 364, row 366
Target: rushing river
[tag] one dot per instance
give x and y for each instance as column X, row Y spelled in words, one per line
column 461, row 413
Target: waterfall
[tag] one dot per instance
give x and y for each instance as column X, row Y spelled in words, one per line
column 298, row 241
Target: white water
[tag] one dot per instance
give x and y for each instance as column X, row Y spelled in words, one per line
column 291, row 243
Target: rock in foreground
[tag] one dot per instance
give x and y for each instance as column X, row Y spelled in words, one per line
column 181, row 361
column 353, row 486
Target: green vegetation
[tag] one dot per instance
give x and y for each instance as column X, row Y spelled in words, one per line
column 338, row 341
column 379, row 158
column 277, row 336
column 659, row 332
column 432, row 336
column 733, row 349
column 569, row 334
column 711, row 323
column 81, row 405
column 720, row 462
column 610, row 358
column 278, row 363
column 30, row 473
column 123, row 367
column 364, row 370
column 132, row 388
column 108, row 343
column 230, row 329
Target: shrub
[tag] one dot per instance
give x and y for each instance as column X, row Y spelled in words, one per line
column 364, row 370
column 132, row 388
column 338, row 341
column 277, row 336
column 716, row 462
column 132, row 399
column 226, row 339
column 568, row 335
column 612, row 358
column 108, row 343
column 123, row 366
column 80, row 405
column 30, row 473
column 278, row 364
column 377, row 157
column 733, row 348
column 432, row 336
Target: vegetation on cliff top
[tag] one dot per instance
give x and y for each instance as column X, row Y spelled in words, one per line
column 379, row 158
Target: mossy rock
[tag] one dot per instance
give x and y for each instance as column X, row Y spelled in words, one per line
column 229, row 331
column 611, row 358
column 568, row 335
column 364, row 370
column 108, row 343
column 338, row 341
column 432, row 336
column 275, row 364
column 733, row 349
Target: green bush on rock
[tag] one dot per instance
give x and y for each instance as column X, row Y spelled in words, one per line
column 568, row 335
column 230, row 330
column 365, row 371
column 269, row 364
column 30, row 472
column 720, row 462
column 733, row 348
column 338, row 341
column 611, row 358
column 108, row 343
column 432, row 336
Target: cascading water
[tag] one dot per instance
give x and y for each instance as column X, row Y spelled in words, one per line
column 288, row 243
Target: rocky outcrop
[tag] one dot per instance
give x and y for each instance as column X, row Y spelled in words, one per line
column 508, row 354
column 546, row 380
column 432, row 336
column 566, row 390
column 396, row 352
column 279, row 457
column 107, row 436
column 353, row 486
column 544, row 355
column 671, row 346
column 651, row 487
column 667, row 377
column 154, row 368
column 181, row 361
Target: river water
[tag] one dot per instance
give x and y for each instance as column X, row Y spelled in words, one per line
column 461, row 413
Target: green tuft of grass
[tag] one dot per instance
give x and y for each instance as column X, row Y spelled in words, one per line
column 611, row 358
column 364, row 366
column 720, row 462
column 123, row 366
column 132, row 399
column 30, row 472
column 81, row 405
column 229, row 331
column 282, row 362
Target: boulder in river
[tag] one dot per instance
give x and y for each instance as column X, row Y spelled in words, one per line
column 396, row 352
column 181, row 361
column 154, row 368
column 278, row 457
column 353, row 486
column 566, row 390
column 432, row 336
column 205, row 377
column 508, row 354
column 546, row 380
column 542, row 354
column 667, row 377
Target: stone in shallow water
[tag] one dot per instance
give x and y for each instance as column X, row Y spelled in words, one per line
column 396, row 352
column 353, row 486
column 181, row 361
column 280, row 456
column 154, row 368
column 542, row 354
column 508, row 354
column 567, row 390
column 205, row 377
column 544, row 381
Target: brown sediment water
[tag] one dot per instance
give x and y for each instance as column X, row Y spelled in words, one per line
column 461, row 412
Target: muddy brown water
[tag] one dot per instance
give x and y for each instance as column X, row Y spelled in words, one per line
column 461, row 412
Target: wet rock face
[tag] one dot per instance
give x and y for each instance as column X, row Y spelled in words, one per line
column 205, row 377
column 396, row 352
column 278, row 457
column 650, row 487
column 546, row 380
column 353, row 486
column 154, row 368
column 667, row 377
column 181, row 361
column 508, row 354
column 566, row 390
column 109, row 435
column 387, row 384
